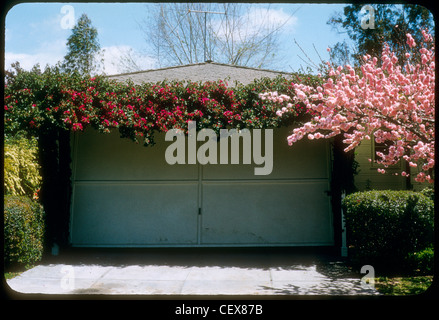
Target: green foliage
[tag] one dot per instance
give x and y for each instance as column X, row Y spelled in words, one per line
column 428, row 192
column 21, row 169
column 23, row 231
column 398, row 286
column 82, row 47
column 422, row 261
column 392, row 23
column 384, row 227
column 35, row 100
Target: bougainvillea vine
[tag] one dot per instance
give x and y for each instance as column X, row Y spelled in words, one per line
column 35, row 101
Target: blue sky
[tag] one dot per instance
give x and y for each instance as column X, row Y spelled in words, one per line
column 34, row 32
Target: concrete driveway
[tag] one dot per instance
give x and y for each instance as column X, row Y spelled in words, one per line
column 206, row 271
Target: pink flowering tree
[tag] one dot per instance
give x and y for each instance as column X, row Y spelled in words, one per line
column 394, row 104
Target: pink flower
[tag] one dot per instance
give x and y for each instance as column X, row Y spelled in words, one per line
column 300, row 94
column 396, row 105
column 410, row 41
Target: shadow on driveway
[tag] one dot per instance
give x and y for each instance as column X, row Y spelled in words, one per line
column 193, row 271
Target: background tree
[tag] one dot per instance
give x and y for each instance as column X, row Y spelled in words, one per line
column 82, row 48
column 238, row 34
column 392, row 23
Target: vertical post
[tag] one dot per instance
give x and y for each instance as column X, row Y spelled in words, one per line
column 205, row 32
column 65, row 187
column 344, row 249
column 200, row 204
column 205, row 27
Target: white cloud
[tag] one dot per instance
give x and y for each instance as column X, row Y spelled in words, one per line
column 49, row 53
column 123, row 58
column 269, row 20
column 256, row 21
column 270, row 17
column 27, row 61
column 117, row 59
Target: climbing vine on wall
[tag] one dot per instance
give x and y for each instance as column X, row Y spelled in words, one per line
column 38, row 101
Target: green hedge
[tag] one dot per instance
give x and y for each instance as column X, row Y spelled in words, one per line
column 23, row 231
column 422, row 261
column 384, row 228
column 428, row 192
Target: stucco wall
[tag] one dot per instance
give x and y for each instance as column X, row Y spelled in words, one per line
column 369, row 178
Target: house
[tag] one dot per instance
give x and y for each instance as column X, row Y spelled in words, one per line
column 128, row 195
column 369, row 178
column 207, row 71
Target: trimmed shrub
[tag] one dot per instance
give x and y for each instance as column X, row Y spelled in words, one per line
column 428, row 192
column 384, row 227
column 23, row 231
column 422, row 261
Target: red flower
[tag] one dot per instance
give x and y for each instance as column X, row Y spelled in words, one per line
column 77, row 126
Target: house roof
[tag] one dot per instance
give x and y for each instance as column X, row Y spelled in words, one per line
column 206, row 71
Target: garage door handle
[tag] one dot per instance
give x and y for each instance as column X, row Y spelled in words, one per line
column 199, row 211
column 328, row 192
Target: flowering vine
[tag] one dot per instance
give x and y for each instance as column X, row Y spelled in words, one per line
column 37, row 101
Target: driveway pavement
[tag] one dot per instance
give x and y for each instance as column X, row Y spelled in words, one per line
column 206, row 271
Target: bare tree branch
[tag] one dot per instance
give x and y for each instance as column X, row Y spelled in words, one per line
column 176, row 31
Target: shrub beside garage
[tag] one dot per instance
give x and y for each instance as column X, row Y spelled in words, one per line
column 23, row 214
column 23, row 231
column 391, row 230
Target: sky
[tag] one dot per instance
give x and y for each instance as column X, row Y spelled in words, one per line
column 37, row 32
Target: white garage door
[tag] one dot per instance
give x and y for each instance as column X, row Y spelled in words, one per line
column 126, row 194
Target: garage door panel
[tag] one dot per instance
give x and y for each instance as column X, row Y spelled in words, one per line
column 135, row 214
column 303, row 160
column 107, row 157
column 266, row 213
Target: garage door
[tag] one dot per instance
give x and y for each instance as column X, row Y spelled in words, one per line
column 126, row 194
